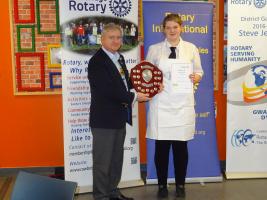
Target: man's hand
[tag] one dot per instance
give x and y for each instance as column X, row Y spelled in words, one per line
column 141, row 97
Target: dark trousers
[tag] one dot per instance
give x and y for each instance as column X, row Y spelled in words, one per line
column 180, row 160
column 107, row 161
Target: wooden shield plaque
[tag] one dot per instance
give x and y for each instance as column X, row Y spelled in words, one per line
column 146, row 78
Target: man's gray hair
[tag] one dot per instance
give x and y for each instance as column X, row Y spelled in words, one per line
column 110, row 27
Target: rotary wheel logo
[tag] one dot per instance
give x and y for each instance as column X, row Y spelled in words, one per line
column 120, row 8
column 260, row 3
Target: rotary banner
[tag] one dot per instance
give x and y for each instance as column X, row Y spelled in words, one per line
column 246, row 90
column 81, row 23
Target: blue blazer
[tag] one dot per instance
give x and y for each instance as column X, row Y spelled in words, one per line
column 111, row 102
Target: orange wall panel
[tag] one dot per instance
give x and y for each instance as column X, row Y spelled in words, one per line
column 31, row 127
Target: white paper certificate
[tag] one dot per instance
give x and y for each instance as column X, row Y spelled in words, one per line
column 180, row 81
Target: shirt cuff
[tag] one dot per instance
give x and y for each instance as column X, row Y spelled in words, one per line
column 135, row 97
column 199, row 73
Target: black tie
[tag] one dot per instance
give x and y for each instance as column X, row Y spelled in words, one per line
column 124, row 68
column 173, row 53
column 121, row 61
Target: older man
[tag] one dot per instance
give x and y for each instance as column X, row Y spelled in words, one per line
column 111, row 109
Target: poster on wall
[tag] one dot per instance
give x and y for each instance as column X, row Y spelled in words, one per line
column 81, row 25
column 246, row 90
column 198, row 29
column 36, row 47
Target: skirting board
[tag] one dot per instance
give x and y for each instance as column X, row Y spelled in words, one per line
column 245, row 175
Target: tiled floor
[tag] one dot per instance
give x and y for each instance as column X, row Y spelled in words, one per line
column 249, row 189
column 253, row 189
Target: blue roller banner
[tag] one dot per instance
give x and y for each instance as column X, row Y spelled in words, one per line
column 198, row 29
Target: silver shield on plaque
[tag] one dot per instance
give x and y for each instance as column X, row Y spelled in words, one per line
column 147, row 75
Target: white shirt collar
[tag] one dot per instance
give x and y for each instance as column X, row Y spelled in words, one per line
column 169, row 45
column 112, row 56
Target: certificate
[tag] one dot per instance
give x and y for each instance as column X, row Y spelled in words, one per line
column 180, row 81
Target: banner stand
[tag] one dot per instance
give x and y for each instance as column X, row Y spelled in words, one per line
column 190, row 180
column 203, row 163
column 126, row 184
column 246, row 135
column 81, row 26
column 123, row 184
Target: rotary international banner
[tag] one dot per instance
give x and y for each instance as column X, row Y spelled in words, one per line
column 81, row 24
column 197, row 28
column 247, row 89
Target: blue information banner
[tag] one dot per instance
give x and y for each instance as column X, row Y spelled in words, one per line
column 198, row 29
